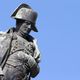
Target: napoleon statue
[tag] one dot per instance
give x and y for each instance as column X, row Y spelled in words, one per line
column 19, row 53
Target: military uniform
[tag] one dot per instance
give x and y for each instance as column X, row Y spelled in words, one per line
column 23, row 60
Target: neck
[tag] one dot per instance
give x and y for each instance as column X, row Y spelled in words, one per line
column 23, row 35
column 20, row 33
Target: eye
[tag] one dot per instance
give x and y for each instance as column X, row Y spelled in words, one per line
column 28, row 23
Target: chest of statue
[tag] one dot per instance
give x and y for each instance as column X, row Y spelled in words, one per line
column 21, row 44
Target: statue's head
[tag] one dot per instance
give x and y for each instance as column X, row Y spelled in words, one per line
column 25, row 18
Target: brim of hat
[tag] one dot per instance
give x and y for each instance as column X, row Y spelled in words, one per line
column 34, row 28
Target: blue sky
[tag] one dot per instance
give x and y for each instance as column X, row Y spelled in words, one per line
column 58, row 37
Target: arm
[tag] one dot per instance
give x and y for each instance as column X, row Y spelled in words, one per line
column 36, row 52
column 30, row 62
column 34, row 67
column 34, row 60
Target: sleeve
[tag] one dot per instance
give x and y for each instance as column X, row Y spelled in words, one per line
column 36, row 51
column 34, row 67
column 29, row 63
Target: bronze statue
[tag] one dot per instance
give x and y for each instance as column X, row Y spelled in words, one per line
column 19, row 53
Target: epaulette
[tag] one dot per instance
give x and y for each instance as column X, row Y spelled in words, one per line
column 11, row 30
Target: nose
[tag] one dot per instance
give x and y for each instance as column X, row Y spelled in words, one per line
column 29, row 26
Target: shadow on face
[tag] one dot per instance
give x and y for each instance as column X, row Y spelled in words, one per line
column 23, row 26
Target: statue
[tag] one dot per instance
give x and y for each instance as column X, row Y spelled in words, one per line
column 19, row 53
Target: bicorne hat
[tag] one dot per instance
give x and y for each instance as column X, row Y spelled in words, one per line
column 25, row 12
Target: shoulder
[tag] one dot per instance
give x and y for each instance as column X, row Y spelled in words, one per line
column 2, row 33
column 34, row 40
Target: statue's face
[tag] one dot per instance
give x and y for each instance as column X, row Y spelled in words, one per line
column 25, row 27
